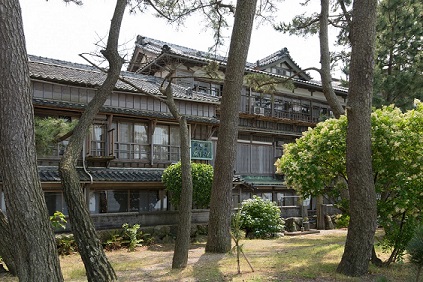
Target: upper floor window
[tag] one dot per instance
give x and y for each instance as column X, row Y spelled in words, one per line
column 166, row 143
column 131, row 140
column 98, row 140
column 208, row 88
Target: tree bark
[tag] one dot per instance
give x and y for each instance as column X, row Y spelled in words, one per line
column 183, row 236
column 325, row 75
column 360, row 238
column 219, row 238
column 34, row 249
column 95, row 261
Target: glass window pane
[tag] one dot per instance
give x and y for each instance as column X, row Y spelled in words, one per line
column 161, row 135
column 117, row 201
column 175, row 136
column 98, row 140
column 125, row 133
column 144, row 200
column 55, row 202
column 140, row 134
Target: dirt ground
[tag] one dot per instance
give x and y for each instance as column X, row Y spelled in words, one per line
column 153, row 263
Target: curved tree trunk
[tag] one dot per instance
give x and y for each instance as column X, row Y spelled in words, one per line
column 34, row 249
column 360, row 238
column 326, row 77
column 183, row 236
column 95, row 261
column 219, row 238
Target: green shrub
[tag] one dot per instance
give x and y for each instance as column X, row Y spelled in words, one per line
column 260, row 218
column 415, row 249
column 342, row 220
column 202, row 178
column 66, row 245
column 130, row 236
column 114, row 242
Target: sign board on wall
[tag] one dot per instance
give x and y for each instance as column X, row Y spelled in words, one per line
column 201, row 150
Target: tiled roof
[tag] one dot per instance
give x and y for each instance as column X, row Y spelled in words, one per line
column 133, row 112
column 160, row 47
column 282, row 54
column 51, row 174
column 157, row 46
column 79, row 74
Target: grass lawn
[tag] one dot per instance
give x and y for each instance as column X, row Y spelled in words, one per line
column 312, row 257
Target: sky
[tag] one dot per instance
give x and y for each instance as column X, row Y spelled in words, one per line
column 57, row 30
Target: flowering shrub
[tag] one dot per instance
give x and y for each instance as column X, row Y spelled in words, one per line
column 260, row 218
column 315, row 165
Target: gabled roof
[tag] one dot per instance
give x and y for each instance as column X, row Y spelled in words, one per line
column 163, row 50
column 278, row 57
column 89, row 76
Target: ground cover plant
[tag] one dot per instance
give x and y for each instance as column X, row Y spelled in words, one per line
column 312, row 257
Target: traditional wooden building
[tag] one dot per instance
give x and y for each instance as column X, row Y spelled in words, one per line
column 134, row 136
column 266, row 120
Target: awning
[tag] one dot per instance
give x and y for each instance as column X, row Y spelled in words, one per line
column 257, row 181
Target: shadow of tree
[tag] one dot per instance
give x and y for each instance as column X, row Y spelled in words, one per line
column 207, row 268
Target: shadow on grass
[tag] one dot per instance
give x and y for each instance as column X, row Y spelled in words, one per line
column 207, row 268
column 296, row 259
column 168, row 247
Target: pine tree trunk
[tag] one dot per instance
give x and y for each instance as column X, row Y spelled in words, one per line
column 183, row 236
column 34, row 249
column 219, row 238
column 360, row 238
column 325, row 75
column 95, row 261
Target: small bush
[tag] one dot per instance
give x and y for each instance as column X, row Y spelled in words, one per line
column 260, row 218
column 66, row 245
column 341, row 220
column 202, row 179
column 130, row 236
column 114, row 242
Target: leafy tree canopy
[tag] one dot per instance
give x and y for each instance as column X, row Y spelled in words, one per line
column 399, row 57
column 399, row 61
column 49, row 130
column 202, row 178
column 315, row 165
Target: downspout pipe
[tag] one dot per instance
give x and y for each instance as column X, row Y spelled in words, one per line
column 83, row 162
